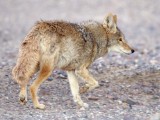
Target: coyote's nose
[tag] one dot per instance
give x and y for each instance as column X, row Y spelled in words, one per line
column 132, row 51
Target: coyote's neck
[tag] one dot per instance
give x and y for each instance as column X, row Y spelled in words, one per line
column 100, row 36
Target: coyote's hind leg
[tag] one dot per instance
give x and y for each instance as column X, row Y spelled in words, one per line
column 22, row 76
column 45, row 71
column 23, row 94
column 47, row 64
column 23, row 85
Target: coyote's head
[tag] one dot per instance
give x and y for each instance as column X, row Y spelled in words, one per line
column 116, row 39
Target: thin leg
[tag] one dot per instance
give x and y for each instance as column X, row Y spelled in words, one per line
column 23, row 86
column 91, row 82
column 45, row 71
column 23, row 94
column 75, row 89
column 47, row 61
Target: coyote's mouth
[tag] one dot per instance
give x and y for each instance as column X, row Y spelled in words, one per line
column 125, row 52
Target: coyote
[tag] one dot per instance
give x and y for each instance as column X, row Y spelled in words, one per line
column 67, row 46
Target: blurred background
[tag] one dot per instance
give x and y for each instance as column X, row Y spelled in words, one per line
column 134, row 78
column 138, row 19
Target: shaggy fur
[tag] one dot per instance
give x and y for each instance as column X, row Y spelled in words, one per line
column 67, row 46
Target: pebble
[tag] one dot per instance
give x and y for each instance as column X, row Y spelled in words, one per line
column 61, row 74
column 156, row 97
column 130, row 102
column 50, row 79
column 148, row 90
column 119, row 102
column 93, row 98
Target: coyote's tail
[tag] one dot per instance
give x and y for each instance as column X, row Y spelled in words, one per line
column 18, row 75
column 27, row 62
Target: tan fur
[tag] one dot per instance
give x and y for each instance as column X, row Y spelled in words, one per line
column 67, row 46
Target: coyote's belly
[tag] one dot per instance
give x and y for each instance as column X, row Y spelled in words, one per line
column 71, row 63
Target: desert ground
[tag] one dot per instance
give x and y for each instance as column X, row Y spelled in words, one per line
column 129, row 84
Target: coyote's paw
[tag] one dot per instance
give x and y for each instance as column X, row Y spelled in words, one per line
column 39, row 106
column 22, row 99
column 85, row 105
column 87, row 88
column 93, row 86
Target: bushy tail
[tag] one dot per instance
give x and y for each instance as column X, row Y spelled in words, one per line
column 18, row 77
column 27, row 62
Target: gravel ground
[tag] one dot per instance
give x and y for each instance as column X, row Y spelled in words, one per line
column 129, row 85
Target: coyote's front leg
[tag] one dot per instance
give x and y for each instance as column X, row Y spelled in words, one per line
column 91, row 82
column 75, row 89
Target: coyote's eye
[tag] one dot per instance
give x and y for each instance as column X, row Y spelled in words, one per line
column 120, row 39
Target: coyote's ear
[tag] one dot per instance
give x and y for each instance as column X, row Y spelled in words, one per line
column 115, row 19
column 110, row 23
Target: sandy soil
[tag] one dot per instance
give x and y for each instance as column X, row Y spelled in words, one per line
column 129, row 85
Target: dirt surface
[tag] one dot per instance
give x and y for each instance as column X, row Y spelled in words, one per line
column 129, row 85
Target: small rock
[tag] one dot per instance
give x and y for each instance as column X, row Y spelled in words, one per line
column 130, row 102
column 50, row 79
column 61, row 74
column 119, row 101
column 113, row 97
column 147, row 90
column 101, row 84
column 104, row 83
column 93, row 98
column 155, row 97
